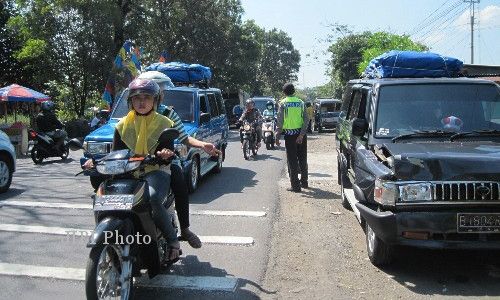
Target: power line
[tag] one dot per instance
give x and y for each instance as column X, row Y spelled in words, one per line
column 430, row 15
column 428, row 34
column 438, row 17
column 452, row 11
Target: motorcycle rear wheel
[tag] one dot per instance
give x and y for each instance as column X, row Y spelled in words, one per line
column 246, row 150
column 103, row 260
column 65, row 154
column 35, row 155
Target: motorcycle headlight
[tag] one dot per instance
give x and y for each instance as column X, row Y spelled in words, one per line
column 415, row 192
column 181, row 149
column 246, row 127
column 120, row 166
column 385, row 192
column 98, row 148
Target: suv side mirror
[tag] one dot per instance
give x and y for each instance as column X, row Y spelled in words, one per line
column 359, row 127
column 204, row 118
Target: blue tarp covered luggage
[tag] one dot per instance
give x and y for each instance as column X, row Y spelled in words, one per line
column 182, row 72
column 398, row 64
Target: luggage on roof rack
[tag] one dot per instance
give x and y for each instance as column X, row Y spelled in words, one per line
column 182, row 73
column 413, row 64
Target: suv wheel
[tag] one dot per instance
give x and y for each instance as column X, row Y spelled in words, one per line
column 194, row 174
column 5, row 173
column 379, row 252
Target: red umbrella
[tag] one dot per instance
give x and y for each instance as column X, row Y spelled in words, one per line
column 17, row 93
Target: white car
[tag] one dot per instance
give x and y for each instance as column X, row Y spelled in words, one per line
column 7, row 162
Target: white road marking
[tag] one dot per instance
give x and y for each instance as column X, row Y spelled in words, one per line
column 205, row 283
column 40, row 271
column 45, row 204
column 81, row 232
column 232, row 213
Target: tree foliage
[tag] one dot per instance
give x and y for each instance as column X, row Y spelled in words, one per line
column 351, row 53
column 66, row 47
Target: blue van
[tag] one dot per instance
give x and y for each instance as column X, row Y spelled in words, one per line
column 204, row 117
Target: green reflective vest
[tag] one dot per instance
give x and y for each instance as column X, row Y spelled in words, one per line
column 293, row 110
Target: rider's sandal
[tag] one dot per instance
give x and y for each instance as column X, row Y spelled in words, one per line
column 170, row 250
column 192, row 239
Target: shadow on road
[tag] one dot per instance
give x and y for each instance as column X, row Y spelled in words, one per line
column 447, row 273
column 212, row 187
column 316, row 193
column 192, row 266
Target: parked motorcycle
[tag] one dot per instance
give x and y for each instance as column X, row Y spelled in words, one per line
column 125, row 239
column 268, row 127
column 44, row 146
column 249, row 139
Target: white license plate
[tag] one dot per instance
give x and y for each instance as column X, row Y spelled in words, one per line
column 478, row 222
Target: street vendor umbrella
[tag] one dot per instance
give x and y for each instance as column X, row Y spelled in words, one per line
column 17, row 93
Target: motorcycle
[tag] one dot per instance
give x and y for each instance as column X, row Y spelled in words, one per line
column 44, row 146
column 125, row 239
column 249, row 139
column 268, row 132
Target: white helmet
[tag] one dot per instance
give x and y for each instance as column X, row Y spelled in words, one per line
column 161, row 79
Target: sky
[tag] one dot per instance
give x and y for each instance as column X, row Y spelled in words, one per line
column 443, row 25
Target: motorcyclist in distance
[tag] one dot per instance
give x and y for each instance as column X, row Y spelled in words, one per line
column 47, row 122
column 253, row 116
column 269, row 111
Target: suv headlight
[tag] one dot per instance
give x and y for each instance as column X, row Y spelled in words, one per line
column 385, row 192
column 415, row 192
column 98, row 148
column 181, row 149
column 85, row 146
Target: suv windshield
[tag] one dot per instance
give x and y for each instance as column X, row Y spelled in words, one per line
column 182, row 102
column 408, row 108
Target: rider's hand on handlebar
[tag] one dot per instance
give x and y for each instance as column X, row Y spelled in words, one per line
column 165, row 153
column 89, row 164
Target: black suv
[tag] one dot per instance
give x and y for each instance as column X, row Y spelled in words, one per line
column 419, row 162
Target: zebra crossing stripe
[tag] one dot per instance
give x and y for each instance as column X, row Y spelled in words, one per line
column 80, row 232
column 231, row 213
column 204, row 283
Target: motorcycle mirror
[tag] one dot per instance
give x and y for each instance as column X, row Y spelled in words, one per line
column 167, row 137
column 75, row 144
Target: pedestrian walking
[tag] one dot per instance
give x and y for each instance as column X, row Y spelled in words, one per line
column 292, row 123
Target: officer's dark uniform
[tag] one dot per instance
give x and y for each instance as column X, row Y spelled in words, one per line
column 292, row 122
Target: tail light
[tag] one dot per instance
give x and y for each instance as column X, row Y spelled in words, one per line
column 32, row 134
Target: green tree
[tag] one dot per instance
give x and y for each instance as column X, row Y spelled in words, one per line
column 381, row 42
column 346, row 53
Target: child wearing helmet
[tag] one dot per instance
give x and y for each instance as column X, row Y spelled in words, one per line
column 269, row 112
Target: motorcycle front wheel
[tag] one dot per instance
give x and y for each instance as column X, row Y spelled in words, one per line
column 104, row 270
column 35, row 155
column 246, row 149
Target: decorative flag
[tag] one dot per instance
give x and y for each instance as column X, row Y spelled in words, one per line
column 126, row 67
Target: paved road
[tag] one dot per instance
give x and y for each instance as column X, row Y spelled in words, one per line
column 45, row 201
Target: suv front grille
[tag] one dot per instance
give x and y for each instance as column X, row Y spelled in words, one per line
column 466, row 191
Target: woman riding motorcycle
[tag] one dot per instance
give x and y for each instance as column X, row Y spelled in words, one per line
column 139, row 131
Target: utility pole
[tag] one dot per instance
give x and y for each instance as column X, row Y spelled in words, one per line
column 472, row 12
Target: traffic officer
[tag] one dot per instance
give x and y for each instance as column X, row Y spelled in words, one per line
column 292, row 123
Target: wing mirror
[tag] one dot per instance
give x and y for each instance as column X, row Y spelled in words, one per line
column 167, row 137
column 75, row 144
column 359, row 127
column 204, row 118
